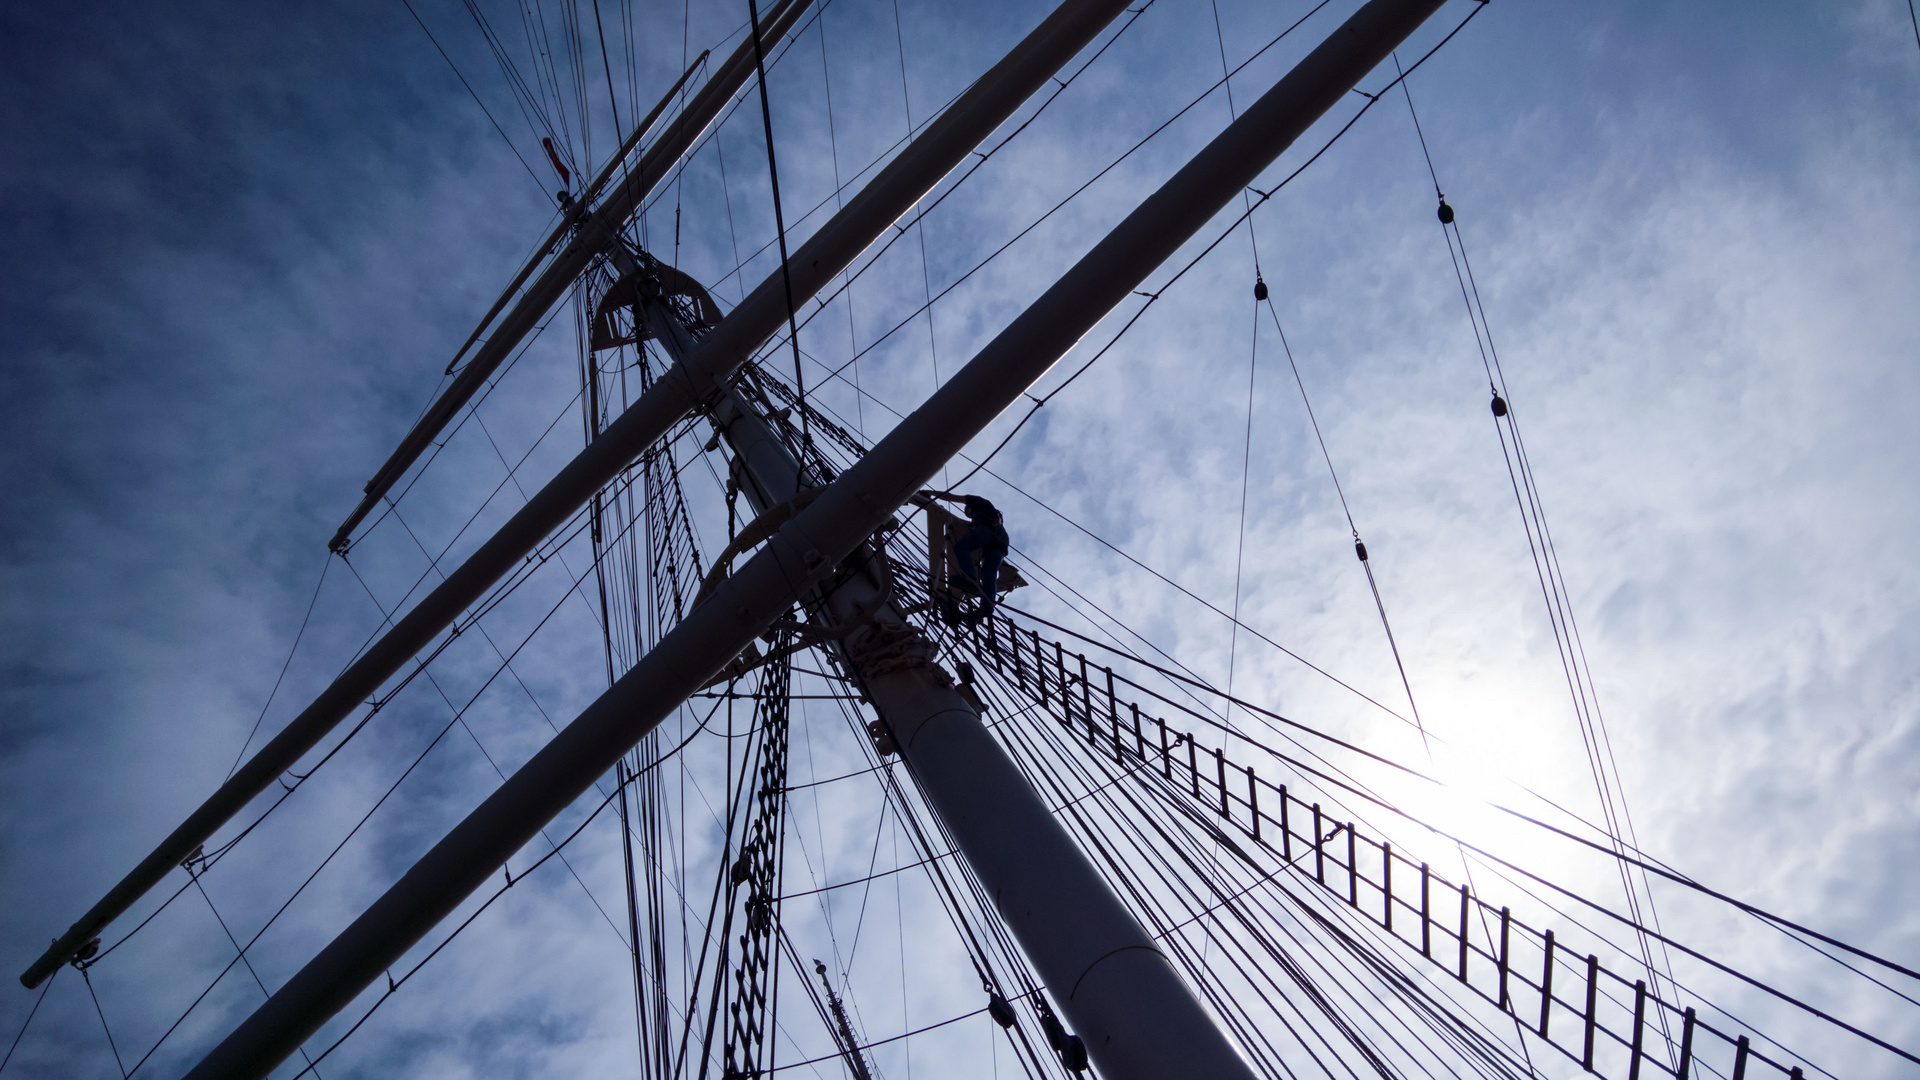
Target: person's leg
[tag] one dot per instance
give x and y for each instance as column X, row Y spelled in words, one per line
column 963, row 554
column 989, row 578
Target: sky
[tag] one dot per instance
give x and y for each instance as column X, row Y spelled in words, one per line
column 240, row 245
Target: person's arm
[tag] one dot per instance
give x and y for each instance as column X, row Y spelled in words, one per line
column 946, row 495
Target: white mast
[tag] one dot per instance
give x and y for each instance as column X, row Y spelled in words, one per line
column 809, row 548
column 1117, row 989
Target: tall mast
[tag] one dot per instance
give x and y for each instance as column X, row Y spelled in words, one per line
column 1117, row 989
column 811, row 546
column 903, row 182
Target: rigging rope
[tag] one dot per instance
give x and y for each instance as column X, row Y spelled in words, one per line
column 886, row 153
column 1561, row 832
column 833, row 152
column 239, row 951
column 1450, row 1040
column 1057, row 207
column 121, row 1065
column 980, row 466
column 524, row 97
column 393, row 984
column 1246, row 473
column 1492, row 954
column 779, row 217
column 1373, row 584
column 1155, row 295
column 1150, row 848
column 208, row 860
column 1176, row 855
column 28, row 1022
column 325, row 565
column 613, row 102
column 476, row 97
column 419, row 472
column 1253, row 363
column 919, row 223
column 1595, row 740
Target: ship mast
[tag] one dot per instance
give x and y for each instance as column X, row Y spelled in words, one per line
column 1118, row 991
column 902, row 183
column 812, row 546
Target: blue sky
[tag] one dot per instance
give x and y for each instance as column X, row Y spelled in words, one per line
column 240, row 246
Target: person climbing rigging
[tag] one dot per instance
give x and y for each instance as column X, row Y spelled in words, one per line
column 988, row 536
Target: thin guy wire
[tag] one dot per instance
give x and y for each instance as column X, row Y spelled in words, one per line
column 278, row 679
column 476, row 98
column 1593, row 737
column 779, row 220
column 103, row 1023
column 44, row 987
